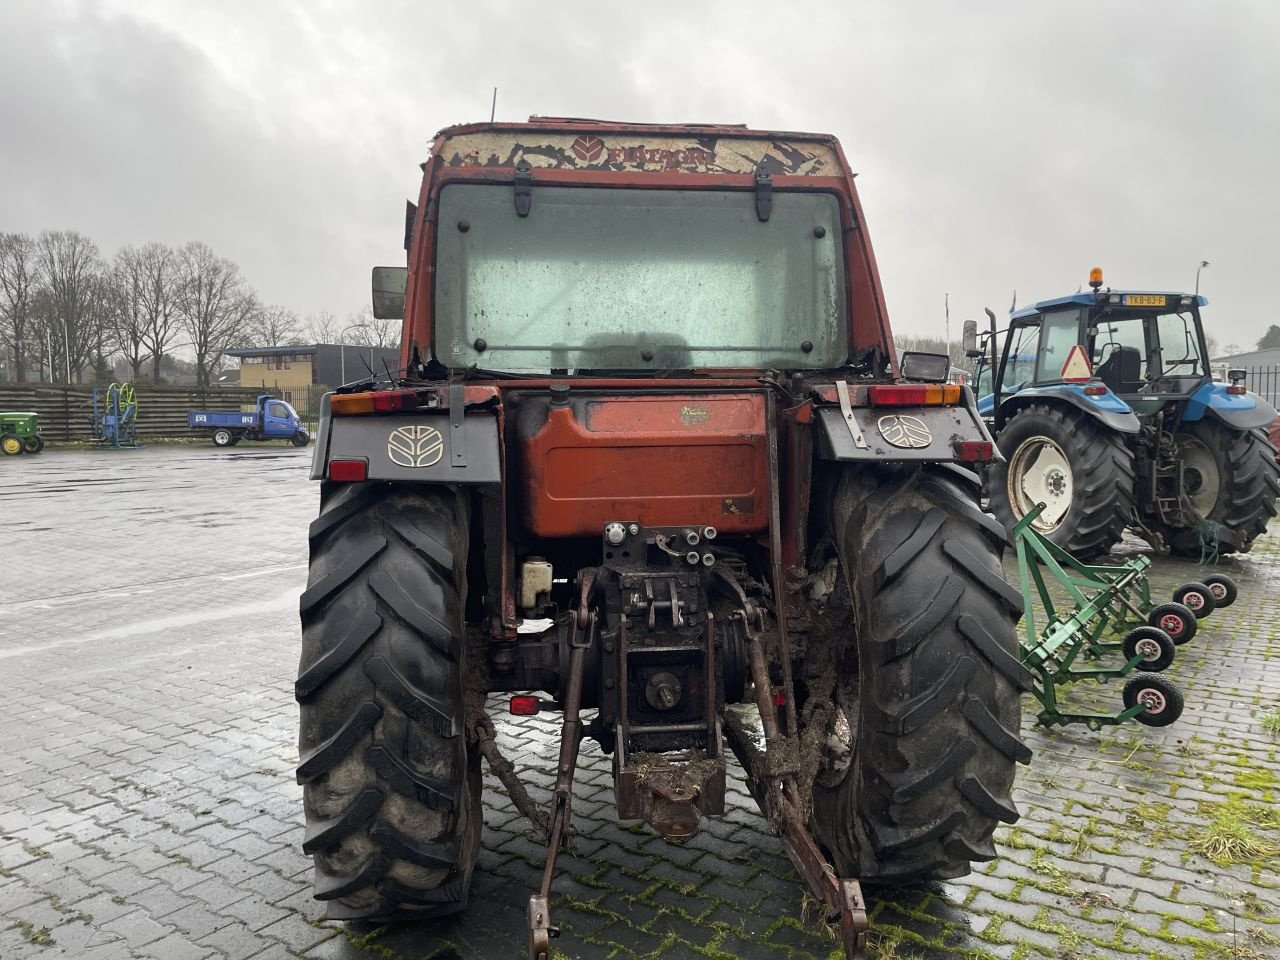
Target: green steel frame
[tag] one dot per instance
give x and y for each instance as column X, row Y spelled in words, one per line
column 1106, row 600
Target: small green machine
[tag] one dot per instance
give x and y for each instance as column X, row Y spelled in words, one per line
column 1108, row 622
column 20, row 433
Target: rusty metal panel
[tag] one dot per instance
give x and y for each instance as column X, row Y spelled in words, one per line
column 630, row 152
column 661, row 460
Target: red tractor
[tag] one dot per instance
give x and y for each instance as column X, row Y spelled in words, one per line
column 650, row 463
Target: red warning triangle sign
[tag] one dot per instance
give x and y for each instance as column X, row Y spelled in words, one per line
column 1077, row 369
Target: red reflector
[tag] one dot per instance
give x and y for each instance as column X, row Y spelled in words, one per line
column 389, row 401
column 1236, row 389
column 779, row 698
column 348, row 471
column 974, row 451
column 1095, row 390
column 897, row 396
column 524, row 706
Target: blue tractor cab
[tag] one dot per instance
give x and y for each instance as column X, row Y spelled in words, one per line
column 1106, row 411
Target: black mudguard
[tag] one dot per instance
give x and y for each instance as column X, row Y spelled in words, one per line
column 411, row 448
column 1126, row 422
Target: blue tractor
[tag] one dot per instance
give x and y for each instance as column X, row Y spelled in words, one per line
column 1104, row 408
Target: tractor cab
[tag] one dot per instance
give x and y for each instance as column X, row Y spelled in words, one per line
column 1117, row 351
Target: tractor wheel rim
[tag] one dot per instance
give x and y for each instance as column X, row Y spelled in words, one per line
column 1193, row 599
column 1041, row 473
column 1203, row 478
column 1148, row 649
column 1218, row 590
column 1153, row 700
column 1172, row 624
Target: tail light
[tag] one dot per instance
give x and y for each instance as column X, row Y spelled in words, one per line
column 348, row 471
column 914, row 394
column 1236, row 389
column 1094, row 390
column 974, row 451
column 373, row 401
column 524, row 706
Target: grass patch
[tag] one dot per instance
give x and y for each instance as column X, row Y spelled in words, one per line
column 1232, row 837
column 1271, row 723
column 33, row 934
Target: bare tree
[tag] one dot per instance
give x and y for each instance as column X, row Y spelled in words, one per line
column 70, row 269
column 322, row 327
column 126, row 307
column 160, row 278
column 371, row 331
column 18, row 271
column 274, row 326
column 214, row 305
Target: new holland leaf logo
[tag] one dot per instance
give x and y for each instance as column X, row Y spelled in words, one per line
column 904, row 431
column 415, row 446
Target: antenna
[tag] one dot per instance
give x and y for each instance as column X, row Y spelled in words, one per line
column 946, row 306
column 493, row 108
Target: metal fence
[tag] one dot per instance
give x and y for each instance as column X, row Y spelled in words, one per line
column 66, row 412
column 1265, row 382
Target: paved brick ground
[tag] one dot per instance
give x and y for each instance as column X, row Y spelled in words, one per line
column 147, row 807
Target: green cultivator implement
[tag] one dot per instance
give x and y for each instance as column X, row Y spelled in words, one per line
column 1111, row 624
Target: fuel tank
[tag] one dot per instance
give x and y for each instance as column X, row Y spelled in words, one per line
column 583, row 459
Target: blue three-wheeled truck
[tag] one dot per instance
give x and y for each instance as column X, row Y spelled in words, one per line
column 271, row 419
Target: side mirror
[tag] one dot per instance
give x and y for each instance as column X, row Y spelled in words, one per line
column 970, row 338
column 388, row 292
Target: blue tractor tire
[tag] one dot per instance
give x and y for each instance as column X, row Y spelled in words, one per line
column 1081, row 470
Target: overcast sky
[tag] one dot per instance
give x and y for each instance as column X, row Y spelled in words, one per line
column 998, row 145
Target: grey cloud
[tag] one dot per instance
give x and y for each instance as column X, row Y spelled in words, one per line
column 998, row 145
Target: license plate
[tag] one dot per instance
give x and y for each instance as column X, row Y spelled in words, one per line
column 1145, row 299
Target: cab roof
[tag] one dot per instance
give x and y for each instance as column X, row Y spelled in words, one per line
column 1090, row 298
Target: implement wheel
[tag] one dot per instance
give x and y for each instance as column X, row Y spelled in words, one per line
column 1160, row 696
column 931, row 684
column 1223, row 588
column 1152, row 644
column 1196, row 597
column 1232, row 480
column 1176, row 620
column 390, row 790
column 11, row 444
column 1080, row 471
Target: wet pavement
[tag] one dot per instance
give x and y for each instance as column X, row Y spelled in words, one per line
column 147, row 804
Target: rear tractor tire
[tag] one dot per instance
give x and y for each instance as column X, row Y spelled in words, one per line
column 11, row 444
column 390, row 789
column 1080, row 471
column 1232, row 480
column 933, row 703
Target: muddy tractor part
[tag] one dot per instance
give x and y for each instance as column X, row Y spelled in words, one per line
column 650, row 463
